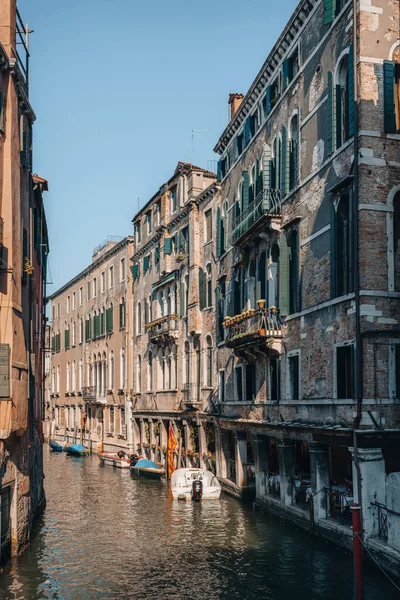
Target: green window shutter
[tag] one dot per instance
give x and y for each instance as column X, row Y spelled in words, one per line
column 87, row 336
column 146, row 263
column 135, row 271
column 247, row 131
column 284, row 159
column 332, row 233
column 330, row 109
column 388, row 97
column 58, row 345
column 219, row 236
column 157, row 255
column 337, row 119
column 329, row 11
column 182, row 299
column 285, row 73
column 167, row 245
column 219, row 171
column 246, row 182
column 268, row 100
column 350, row 87
column 283, row 276
column 111, row 319
column 177, row 242
column 202, row 288
column 107, row 320
column 266, row 167
column 53, row 344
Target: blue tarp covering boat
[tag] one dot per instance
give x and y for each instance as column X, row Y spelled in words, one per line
column 76, row 450
column 57, row 446
column 147, row 468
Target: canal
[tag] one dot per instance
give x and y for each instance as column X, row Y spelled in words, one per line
column 106, row 535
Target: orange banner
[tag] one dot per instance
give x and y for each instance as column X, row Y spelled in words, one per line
column 171, row 448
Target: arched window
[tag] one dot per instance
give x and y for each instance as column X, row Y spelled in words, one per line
column 396, row 241
column 73, row 387
column 276, row 167
column 80, row 379
column 168, row 298
column 111, row 371
column 273, row 276
column 168, row 369
column 58, row 379
column 68, row 378
column 253, row 182
column 74, row 333
column 209, row 378
column 262, row 277
column 160, row 370
column 150, row 372
column 224, row 227
column 150, row 309
column 53, row 381
column 174, row 368
column 342, row 102
column 294, row 132
column 197, row 352
column 209, row 286
column 139, row 374
column 160, row 303
column 81, row 331
column 259, row 178
column 146, row 311
column 294, row 272
column 342, row 256
column 138, row 318
column 122, row 369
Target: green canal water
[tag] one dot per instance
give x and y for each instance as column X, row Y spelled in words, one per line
column 106, row 535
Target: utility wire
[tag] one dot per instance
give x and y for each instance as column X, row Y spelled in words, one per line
column 376, row 562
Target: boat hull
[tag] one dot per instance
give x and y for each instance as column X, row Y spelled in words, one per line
column 57, row 446
column 209, row 493
column 76, row 450
column 112, row 460
column 148, row 473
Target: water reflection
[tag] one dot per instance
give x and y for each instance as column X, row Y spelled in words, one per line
column 107, row 535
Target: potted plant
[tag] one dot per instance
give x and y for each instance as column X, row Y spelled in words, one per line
column 180, row 257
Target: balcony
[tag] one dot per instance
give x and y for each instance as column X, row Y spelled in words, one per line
column 266, row 205
column 89, row 393
column 262, row 326
column 162, row 329
column 191, row 397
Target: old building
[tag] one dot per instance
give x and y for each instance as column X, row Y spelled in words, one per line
column 90, row 382
column 23, row 257
column 307, row 314
column 174, row 327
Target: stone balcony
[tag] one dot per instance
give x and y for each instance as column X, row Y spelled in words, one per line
column 266, row 206
column 191, row 396
column 162, row 329
column 261, row 327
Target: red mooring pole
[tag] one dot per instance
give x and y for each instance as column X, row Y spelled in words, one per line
column 357, row 550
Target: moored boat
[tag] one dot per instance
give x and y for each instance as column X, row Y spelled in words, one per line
column 120, row 459
column 76, row 450
column 147, row 468
column 194, row 484
column 57, row 446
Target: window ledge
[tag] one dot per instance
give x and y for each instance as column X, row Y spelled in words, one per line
column 208, row 309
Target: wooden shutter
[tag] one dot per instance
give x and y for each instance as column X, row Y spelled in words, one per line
column 285, row 72
column 388, row 96
column 157, row 254
column 146, row 263
column 167, row 245
column 202, row 288
column 284, row 161
column 268, row 100
column 332, row 232
column 329, row 11
column 53, row 344
column 330, row 109
column 350, row 87
column 4, row 371
column 219, row 236
column 283, row 276
column 87, row 332
column 245, row 199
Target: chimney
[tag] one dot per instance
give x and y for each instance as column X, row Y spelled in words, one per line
column 235, row 100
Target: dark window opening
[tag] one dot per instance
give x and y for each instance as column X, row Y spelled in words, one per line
column 239, row 144
column 239, row 384
column 342, row 103
column 251, row 382
column 397, row 371
column 294, row 272
column 294, row 366
column 274, row 374
column 222, row 386
column 345, row 371
column 343, row 248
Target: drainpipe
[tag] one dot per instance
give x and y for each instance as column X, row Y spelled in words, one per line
column 356, row 262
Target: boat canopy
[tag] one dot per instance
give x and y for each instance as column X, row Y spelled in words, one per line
column 143, row 463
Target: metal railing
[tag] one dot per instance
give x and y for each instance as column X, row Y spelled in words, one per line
column 301, row 491
column 162, row 326
column 273, row 484
column 267, row 202
column 22, row 35
column 89, row 392
column 253, row 325
column 382, row 520
column 338, row 501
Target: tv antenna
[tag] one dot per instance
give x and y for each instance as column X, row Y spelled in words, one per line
column 192, row 144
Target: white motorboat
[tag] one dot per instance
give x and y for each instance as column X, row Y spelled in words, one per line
column 115, row 459
column 194, row 484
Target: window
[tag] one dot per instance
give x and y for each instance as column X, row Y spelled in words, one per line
column 220, row 311
column 139, row 374
column 150, row 372
column 58, row 309
column 294, row 152
column 238, row 384
column 276, row 163
column 58, row 377
column 138, row 233
column 89, row 290
column 187, row 363
column 103, row 282
column 239, row 144
column 158, row 213
column 122, row 313
column 397, row 370
column 209, row 349
column 341, row 241
column 174, row 199
column 122, row 369
column 208, row 226
column 80, row 296
column 94, row 287
column 222, row 232
column 68, row 378
column 122, row 269
column 209, row 300
column 74, row 301
column 149, row 223
column 53, row 309
column 111, row 371
column 345, row 371
column 251, row 382
column 222, row 386
column 294, row 376
column 111, row 277
column 294, row 299
column 138, row 318
column 73, row 334
column 68, row 304
column 274, row 377
column 111, row 419
column 74, row 376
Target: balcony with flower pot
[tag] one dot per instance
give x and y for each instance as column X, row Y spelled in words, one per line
column 261, row 326
column 264, row 208
column 162, row 329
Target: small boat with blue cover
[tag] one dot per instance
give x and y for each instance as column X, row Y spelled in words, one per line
column 57, row 446
column 147, row 468
column 76, row 450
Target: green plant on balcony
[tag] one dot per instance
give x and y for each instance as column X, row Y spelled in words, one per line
column 180, row 257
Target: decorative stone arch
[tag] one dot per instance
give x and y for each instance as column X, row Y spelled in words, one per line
column 393, row 52
column 336, row 73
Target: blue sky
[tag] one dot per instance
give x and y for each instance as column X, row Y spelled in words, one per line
column 117, row 86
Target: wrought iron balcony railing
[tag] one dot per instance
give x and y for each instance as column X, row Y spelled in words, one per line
column 253, row 326
column 163, row 327
column 267, row 204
